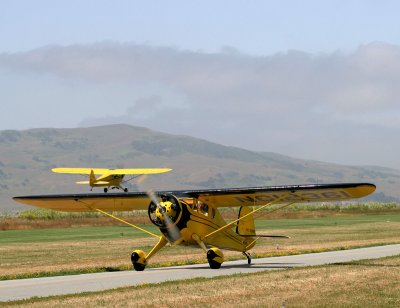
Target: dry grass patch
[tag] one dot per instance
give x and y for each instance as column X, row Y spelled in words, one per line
column 39, row 223
column 373, row 283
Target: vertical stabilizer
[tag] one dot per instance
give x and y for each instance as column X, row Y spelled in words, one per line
column 92, row 178
column 246, row 225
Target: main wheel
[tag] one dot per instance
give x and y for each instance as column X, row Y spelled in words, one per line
column 138, row 258
column 139, row 267
column 125, row 189
column 105, row 189
column 215, row 257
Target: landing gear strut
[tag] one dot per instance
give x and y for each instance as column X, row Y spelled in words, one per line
column 117, row 187
column 139, row 258
column 247, row 255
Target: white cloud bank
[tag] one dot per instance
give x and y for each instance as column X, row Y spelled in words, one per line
column 336, row 107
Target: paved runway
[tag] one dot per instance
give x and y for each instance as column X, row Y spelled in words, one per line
column 41, row 287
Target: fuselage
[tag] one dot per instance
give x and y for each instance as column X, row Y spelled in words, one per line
column 110, row 180
column 198, row 220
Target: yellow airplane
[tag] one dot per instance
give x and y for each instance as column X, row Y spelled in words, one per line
column 108, row 177
column 191, row 217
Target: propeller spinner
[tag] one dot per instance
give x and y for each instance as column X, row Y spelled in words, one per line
column 165, row 214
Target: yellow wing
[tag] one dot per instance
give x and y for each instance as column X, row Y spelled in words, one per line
column 139, row 171
column 80, row 170
column 233, row 197
column 89, row 202
column 104, row 171
column 284, row 194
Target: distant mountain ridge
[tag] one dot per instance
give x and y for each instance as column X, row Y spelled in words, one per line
column 26, row 158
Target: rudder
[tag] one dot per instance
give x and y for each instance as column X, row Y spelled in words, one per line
column 246, row 225
column 92, row 178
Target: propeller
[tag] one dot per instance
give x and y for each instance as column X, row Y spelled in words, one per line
column 173, row 231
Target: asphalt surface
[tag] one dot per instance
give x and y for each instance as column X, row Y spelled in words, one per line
column 41, row 287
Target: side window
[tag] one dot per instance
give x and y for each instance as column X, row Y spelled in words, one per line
column 203, row 208
column 192, row 204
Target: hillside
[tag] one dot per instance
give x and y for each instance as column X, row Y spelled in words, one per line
column 26, row 158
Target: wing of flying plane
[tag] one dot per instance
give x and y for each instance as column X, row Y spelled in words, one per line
column 109, row 177
column 106, row 172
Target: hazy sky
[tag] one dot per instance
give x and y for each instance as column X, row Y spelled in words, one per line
column 310, row 79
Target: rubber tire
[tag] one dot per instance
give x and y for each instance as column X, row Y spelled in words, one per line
column 213, row 264
column 139, row 267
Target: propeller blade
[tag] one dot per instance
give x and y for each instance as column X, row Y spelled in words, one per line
column 172, row 230
column 153, row 198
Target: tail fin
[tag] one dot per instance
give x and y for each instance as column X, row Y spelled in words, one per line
column 246, row 225
column 92, row 178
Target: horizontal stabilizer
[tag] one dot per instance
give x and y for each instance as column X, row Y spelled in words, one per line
column 260, row 235
column 97, row 183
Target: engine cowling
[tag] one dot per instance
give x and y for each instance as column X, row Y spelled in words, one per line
column 169, row 206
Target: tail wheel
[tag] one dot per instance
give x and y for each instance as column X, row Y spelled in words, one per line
column 138, row 258
column 215, row 258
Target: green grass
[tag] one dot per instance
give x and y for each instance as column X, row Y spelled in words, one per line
column 324, row 221
column 73, row 234
column 114, row 232
column 348, row 207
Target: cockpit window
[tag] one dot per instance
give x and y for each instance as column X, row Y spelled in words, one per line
column 203, row 208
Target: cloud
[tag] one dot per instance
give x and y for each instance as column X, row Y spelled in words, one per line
column 145, row 105
column 292, row 102
column 364, row 78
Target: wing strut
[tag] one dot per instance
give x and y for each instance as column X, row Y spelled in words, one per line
column 119, row 219
column 256, row 210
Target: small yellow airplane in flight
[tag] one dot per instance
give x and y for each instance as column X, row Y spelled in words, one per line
column 191, row 217
column 109, row 177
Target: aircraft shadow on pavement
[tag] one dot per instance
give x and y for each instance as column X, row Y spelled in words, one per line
column 244, row 265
